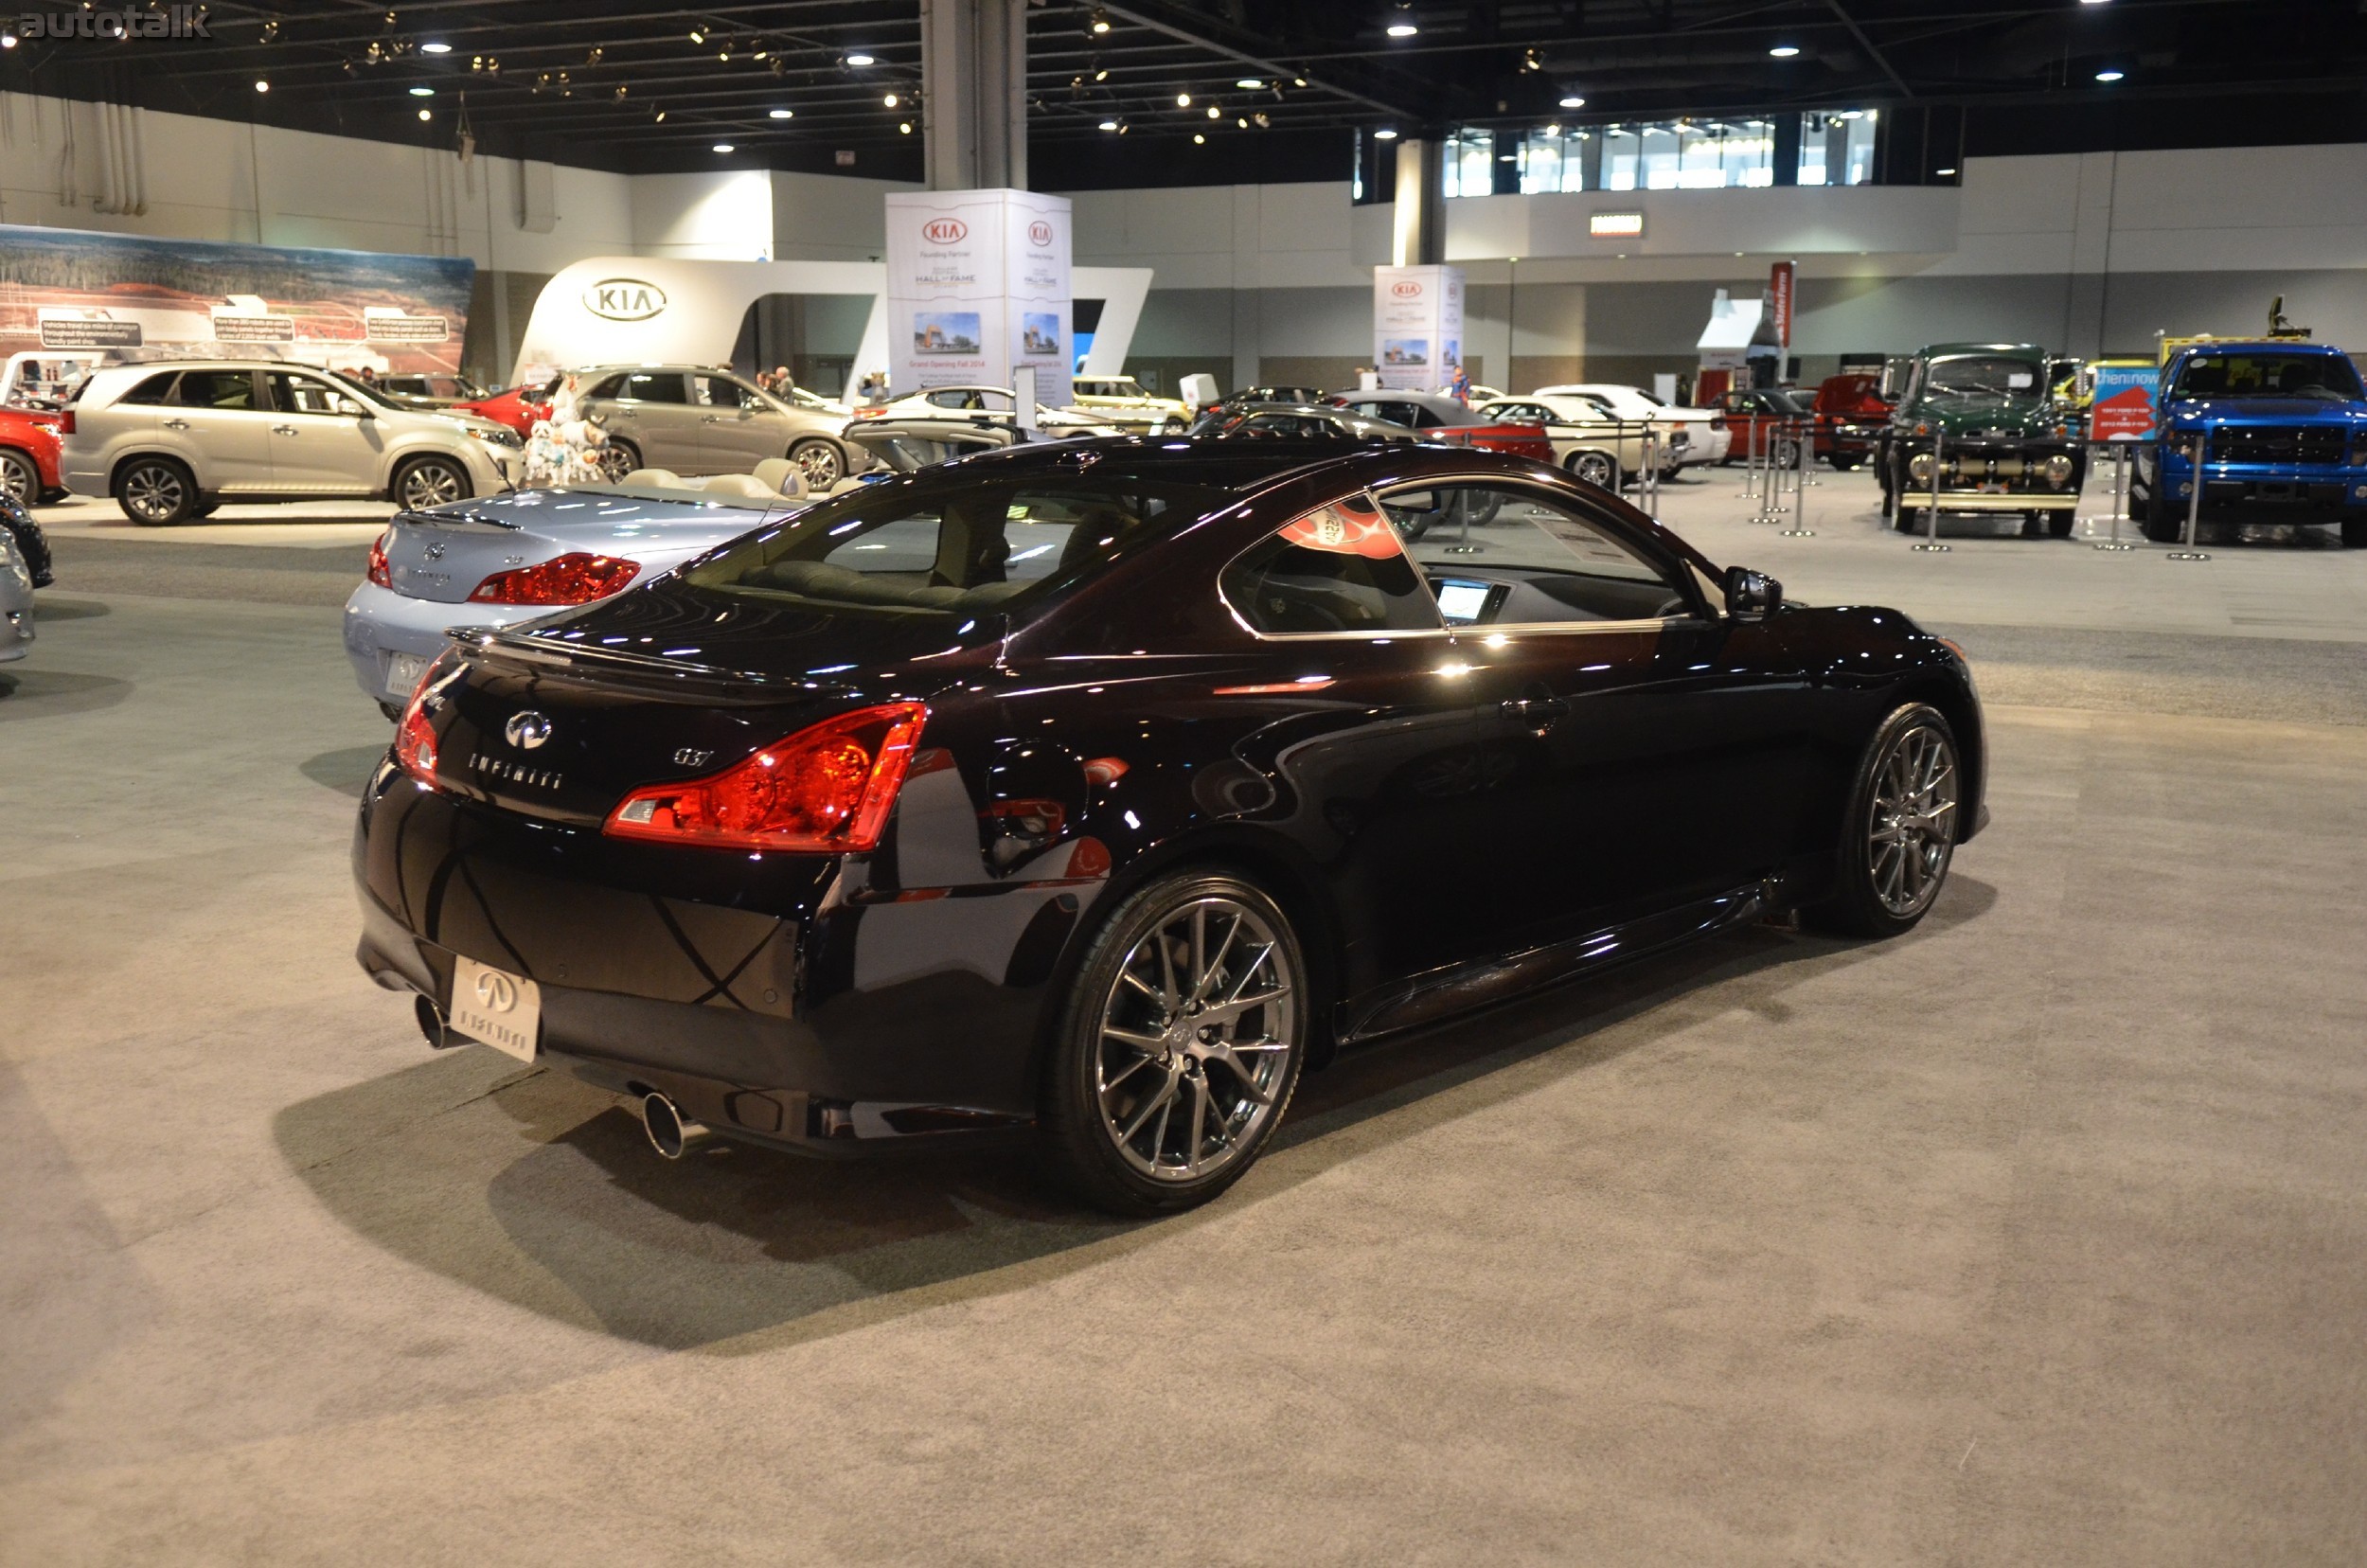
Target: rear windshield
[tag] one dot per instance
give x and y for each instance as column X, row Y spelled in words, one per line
column 905, row 549
column 2268, row 375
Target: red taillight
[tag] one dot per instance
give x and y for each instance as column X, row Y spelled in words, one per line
column 378, row 561
column 415, row 737
column 65, row 422
column 826, row 789
column 572, row 578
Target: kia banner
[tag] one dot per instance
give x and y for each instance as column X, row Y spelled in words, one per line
column 1418, row 326
column 978, row 284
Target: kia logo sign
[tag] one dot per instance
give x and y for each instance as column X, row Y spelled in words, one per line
column 1039, row 232
column 1405, row 288
column 624, row 300
column 945, row 231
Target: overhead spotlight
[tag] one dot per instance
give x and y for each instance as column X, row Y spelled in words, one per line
column 1554, row 130
column 1298, row 82
column 1945, row 174
column 725, row 54
column 859, row 60
column 783, row 114
column 2107, row 74
column 1199, row 140
column 1402, row 29
column 889, row 100
column 723, row 147
column 1249, row 83
column 620, row 92
column 427, row 113
column 903, row 128
column 436, row 48
column 1109, row 125
column 658, row 118
column 1100, row 22
column 1241, row 120
column 1784, row 51
column 261, row 85
column 1261, row 120
column 8, row 41
column 423, row 91
column 1214, row 113
column 779, row 65
column 1102, row 75
column 1574, row 102
column 1529, row 61
column 594, row 57
column 1384, row 133
column 271, row 30
column 698, row 35
column 1183, row 100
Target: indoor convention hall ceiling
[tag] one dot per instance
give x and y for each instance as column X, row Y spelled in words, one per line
column 1154, row 92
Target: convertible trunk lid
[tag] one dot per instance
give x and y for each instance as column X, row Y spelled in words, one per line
column 442, row 554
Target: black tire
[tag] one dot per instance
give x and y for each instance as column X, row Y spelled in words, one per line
column 1084, row 1104
column 819, row 462
column 2159, row 524
column 2354, row 533
column 204, row 509
column 1859, row 905
column 392, row 710
column 617, row 457
column 2060, row 524
column 1599, row 469
column 434, row 480
column 156, row 492
column 1909, row 519
column 20, row 477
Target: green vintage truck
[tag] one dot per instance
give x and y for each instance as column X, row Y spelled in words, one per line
column 2007, row 442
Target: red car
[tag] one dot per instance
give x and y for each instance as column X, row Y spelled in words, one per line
column 29, row 456
column 518, row 408
column 1755, row 420
column 1850, row 415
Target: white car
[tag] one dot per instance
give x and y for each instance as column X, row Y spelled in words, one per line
column 1593, row 445
column 956, row 407
column 171, row 441
column 1705, row 427
column 1121, row 401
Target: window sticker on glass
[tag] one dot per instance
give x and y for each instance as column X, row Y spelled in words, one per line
column 1353, row 526
column 2021, row 381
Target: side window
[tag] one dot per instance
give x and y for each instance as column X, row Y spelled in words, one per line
column 1340, row 568
column 612, row 388
column 225, row 389
column 904, row 547
column 300, row 395
column 721, row 392
column 155, row 389
column 1499, row 556
column 654, row 386
column 1398, row 412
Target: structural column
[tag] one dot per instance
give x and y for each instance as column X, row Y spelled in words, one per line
column 973, row 104
column 1420, row 236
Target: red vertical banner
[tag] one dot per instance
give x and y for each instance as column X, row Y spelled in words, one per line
column 1779, row 286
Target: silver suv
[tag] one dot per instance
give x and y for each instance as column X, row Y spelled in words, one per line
column 690, row 418
column 173, row 441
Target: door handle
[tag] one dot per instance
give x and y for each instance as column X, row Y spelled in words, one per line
column 283, row 430
column 712, row 419
column 176, row 424
column 1535, row 710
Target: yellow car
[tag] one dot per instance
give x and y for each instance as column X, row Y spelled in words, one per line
column 1121, row 401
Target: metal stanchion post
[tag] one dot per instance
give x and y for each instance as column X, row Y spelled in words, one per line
column 2198, row 456
column 2120, row 497
column 1931, row 541
column 1800, row 528
column 1751, row 462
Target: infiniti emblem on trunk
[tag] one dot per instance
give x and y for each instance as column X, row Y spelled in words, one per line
column 527, row 730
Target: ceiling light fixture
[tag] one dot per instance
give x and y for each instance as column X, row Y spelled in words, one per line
column 423, row 91
column 698, row 35
column 1183, row 100
column 1945, row 174
column 784, row 114
column 427, row 113
column 1784, row 51
column 859, row 60
column 436, row 48
column 1109, row 125
column 1384, row 133
column 1249, row 84
column 1214, row 113
column 8, row 41
column 2108, row 75
column 1574, row 102
column 723, row 147
column 1199, row 140
column 1100, row 22
column 889, row 100
column 262, row 86
column 904, row 128
column 1402, row 29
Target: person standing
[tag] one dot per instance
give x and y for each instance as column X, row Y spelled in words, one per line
column 1459, row 387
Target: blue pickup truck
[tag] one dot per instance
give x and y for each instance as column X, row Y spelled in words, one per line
column 2286, row 424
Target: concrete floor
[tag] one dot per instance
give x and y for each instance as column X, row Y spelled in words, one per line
column 2036, row 1237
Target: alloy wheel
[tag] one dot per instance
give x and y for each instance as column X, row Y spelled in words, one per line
column 1911, row 820
column 615, row 460
column 431, row 484
column 1197, row 1035
column 817, row 463
column 1594, row 469
column 154, row 492
column 19, row 480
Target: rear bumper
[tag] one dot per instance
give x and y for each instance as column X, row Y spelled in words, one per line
column 381, row 623
column 782, row 1002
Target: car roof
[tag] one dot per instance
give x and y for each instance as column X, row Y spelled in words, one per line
column 2252, row 346
column 1322, row 411
column 1213, row 462
column 1937, row 349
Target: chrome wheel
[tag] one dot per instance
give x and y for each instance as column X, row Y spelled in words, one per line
column 1592, row 468
column 817, row 464
column 154, row 492
column 431, row 483
column 1911, row 820
column 614, row 459
column 1197, row 1037
column 19, row 480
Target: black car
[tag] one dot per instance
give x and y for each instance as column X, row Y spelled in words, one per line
column 1295, row 422
column 32, row 543
column 1097, row 788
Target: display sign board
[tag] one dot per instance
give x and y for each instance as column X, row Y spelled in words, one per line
column 978, row 285
column 2123, row 410
column 68, row 289
column 1781, row 281
column 1616, row 225
column 1418, row 326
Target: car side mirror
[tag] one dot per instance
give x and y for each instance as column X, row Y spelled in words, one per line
column 1752, row 596
column 1891, row 380
column 348, row 407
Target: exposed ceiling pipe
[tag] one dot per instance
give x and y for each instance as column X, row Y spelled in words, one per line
column 106, row 199
column 137, row 141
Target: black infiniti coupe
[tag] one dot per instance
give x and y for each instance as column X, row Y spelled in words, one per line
column 1098, row 789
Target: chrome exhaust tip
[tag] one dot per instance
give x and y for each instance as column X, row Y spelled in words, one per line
column 431, row 1017
column 672, row 1133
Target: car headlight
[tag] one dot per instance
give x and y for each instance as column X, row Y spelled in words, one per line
column 1919, row 467
column 500, row 436
column 2058, row 469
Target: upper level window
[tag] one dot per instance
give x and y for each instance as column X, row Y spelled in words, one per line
column 1836, row 148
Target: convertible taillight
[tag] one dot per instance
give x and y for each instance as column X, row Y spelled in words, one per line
column 378, row 561
column 827, row 789
column 572, row 578
column 65, row 422
column 415, row 737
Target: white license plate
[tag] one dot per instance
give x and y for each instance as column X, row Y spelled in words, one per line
column 402, row 674
column 496, row 1007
